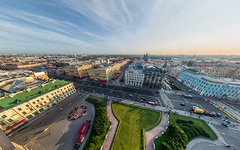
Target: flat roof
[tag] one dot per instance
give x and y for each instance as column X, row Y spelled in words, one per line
column 7, row 103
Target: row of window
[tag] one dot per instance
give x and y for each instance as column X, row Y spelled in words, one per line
column 31, row 109
column 213, row 89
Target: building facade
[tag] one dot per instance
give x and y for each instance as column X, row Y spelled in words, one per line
column 143, row 74
column 14, row 113
column 152, row 76
column 208, row 86
column 105, row 72
column 222, row 72
column 134, row 75
column 78, row 71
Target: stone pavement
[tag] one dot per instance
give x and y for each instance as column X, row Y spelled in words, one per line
column 156, row 131
column 113, row 128
column 219, row 142
column 167, row 102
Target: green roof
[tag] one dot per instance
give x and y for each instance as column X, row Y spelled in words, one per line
column 20, row 98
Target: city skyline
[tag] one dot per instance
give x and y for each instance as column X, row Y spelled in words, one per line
column 120, row 27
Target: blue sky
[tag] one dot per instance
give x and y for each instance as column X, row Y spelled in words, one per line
column 120, row 26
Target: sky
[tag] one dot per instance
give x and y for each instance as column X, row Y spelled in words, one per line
column 189, row 27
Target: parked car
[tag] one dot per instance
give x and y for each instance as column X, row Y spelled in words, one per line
column 182, row 104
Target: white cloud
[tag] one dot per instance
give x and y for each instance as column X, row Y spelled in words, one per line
column 128, row 25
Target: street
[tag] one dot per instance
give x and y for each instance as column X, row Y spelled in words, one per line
column 55, row 126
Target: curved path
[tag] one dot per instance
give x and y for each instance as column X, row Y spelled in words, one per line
column 219, row 142
column 156, row 131
column 111, row 132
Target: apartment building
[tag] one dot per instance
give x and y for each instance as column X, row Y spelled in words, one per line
column 222, row 72
column 208, row 86
column 17, row 109
column 16, row 65
column 78, row 71
column 134, row 75
column 143, row 74
column 105, row 72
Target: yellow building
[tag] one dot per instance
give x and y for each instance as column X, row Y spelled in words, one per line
column 104, row 73
column 17, row 110
column 77, row 71
column 14, row 66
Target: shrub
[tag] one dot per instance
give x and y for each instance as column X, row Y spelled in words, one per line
column 179, row 121
column 101, row 124
column 175, row 139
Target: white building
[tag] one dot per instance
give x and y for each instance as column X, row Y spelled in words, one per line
column 134, row 75
column 143, row 74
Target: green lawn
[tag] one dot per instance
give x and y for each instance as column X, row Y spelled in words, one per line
column 101, row 124
column 133, row 122
column 8, row 103
column 191, row 126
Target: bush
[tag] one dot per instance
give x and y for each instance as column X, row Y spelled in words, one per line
column 101, row 124
column 175, row 139
column 184, row 121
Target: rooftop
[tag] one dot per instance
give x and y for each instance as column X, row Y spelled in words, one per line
column 20, row 98
column 213, row 80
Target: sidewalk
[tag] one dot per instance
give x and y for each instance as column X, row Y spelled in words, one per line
column 156, row 131
column 167, row 102
column 113, row 128
column 219, row 142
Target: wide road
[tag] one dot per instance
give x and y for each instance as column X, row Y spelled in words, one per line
column 124, row 92
column 54, row 126
column 130, row 93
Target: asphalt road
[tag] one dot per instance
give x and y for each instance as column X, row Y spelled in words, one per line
column 63, row 133
column 118, row 91
column 232, row 137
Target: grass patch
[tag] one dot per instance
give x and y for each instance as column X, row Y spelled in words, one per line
column 101, row 124
column 20, row 98
column 192, row 127
column 133, row 122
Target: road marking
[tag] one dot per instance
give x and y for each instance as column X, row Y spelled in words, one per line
column 36, row 137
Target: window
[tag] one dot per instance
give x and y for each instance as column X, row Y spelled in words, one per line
column 34, row 102
column 37, row 106
column 4, row 116
column 27, row 105
column 31, row 109
column 24, row 113
column 19, row 109
column 10, row 120
column 2, row 124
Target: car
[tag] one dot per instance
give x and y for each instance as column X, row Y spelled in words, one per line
column 218, row 115
column 182, row 104
column 187, row 96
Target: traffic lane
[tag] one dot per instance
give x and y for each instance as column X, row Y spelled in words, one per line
column 119, row 88
column 64, row 133
column 210, row 146
column 151, row 92
column 195, row 101
column 120, row 94
column 232, row 137
column 114, row 92
column 36, row 127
